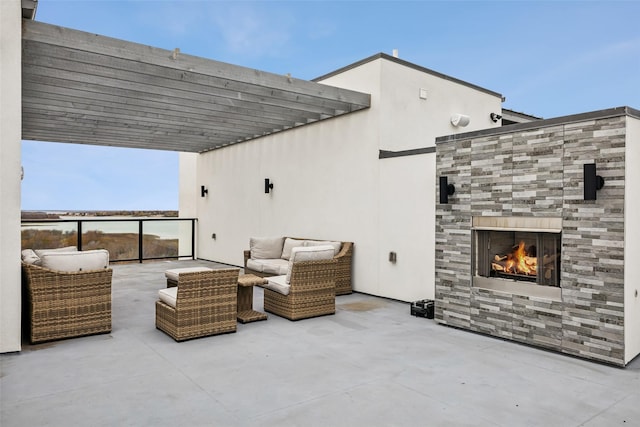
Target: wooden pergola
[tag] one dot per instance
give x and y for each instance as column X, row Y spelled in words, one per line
column 83, row 88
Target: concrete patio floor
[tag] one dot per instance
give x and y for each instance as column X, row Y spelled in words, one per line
column 371, row 364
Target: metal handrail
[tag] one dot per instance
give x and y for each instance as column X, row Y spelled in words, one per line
column 140, row 232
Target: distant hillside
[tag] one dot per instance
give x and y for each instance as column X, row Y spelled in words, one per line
column 58, row 214
column 121, row 246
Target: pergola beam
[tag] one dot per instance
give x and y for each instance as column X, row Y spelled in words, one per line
column 84, row 88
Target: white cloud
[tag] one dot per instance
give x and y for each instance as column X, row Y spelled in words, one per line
column 252, row 30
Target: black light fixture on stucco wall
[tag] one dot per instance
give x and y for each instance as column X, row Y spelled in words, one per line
column 592, row 181
column 446, row 190
column 203, row 191
column 268, row 186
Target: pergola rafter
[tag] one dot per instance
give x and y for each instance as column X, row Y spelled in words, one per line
column 89, row 89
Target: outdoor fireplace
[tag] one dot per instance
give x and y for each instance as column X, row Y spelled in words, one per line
column 513, row 249
column 523, row 255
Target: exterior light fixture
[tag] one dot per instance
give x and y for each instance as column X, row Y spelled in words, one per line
column 446, row 190
column 495, row 117
column 460, row 120
column 203, row 191
column 268, row 186
column 592, row 181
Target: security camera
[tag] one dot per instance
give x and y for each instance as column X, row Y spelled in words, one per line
column 495, row 117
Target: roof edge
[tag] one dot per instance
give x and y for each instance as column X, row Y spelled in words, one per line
column 408, row 64
column 29, row 9
column 573, row 118
column 520, row 114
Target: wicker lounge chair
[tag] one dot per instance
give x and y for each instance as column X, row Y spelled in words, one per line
column 312, row 291
column 205, row 304
column 66, row 304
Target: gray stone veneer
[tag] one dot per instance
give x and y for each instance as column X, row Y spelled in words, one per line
column 538, row 171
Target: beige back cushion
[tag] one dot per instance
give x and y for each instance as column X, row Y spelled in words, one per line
column 41, row 252
column 289, row 244
column 336, row 245
column 266, row 247
column 76, row 261
column 313, row 253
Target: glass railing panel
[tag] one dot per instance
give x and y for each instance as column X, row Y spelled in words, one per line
column 46, row 235
column 120, row 238
column 161, row 239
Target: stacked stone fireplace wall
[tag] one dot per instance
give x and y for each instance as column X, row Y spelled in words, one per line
column 538, row 172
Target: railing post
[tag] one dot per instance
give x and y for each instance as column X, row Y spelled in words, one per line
column 193, row 238
column 140, row 248
column 79, row 238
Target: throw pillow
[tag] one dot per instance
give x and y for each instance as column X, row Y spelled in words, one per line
column 30, row 257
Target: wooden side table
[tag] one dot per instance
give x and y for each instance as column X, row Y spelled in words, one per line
column 246, row 313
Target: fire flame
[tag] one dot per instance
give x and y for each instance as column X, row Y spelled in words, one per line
column 519, row 262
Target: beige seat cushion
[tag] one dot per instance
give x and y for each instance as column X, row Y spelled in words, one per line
column 270, row 266
column 169, row 296
column 175, row 272
column 279, row 284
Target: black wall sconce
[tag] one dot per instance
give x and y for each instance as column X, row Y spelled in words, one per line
column 446, row 190
column 268, row 186
column 203, row 191
column 592, row 181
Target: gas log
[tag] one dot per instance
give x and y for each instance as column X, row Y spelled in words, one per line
column 521, row 261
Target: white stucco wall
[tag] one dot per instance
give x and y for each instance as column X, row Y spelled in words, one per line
column 406, row 185
column 10, row 137
column 631, row 239
column 329, row 182
column 187, row 199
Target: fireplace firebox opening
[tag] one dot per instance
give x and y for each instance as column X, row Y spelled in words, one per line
column 514, row 250
column 532, row 257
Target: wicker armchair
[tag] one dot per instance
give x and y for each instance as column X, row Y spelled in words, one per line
column 66, row 304
column 205, row 304
column 312, row 291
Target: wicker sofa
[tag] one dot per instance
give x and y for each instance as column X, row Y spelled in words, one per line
column 65, row 304
column 272, row 264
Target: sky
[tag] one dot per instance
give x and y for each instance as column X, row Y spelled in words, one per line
column 548, row 58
